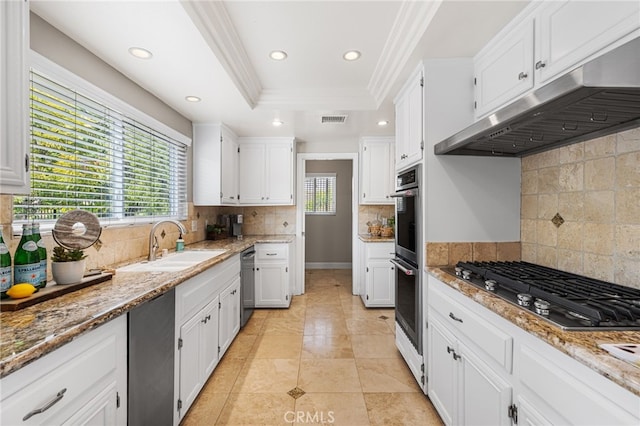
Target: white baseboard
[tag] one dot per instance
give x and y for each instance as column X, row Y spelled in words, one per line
column 327, row 265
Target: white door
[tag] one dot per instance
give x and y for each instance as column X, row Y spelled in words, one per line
column 279, row 170
column 442, row 386
column 191, row 379
column 252, row 173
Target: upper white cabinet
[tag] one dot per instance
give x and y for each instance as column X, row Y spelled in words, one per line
column 14, row 97
column 409, row 119
column 377, row 170
column 266, row 171
column 546, row 40
column 215, row 165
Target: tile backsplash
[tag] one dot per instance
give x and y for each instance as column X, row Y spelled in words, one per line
column 448, row 254
column 592, row 189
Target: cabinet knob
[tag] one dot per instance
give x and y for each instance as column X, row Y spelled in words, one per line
column 540, row 64
column 522, row 75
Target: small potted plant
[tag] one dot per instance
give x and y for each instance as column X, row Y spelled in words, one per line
column 67, row 265
column 215, row 232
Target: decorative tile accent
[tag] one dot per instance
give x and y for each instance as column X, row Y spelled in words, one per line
column 557, row 220
column 254, row 213
column 285, row 223
column 296, row 393
column 383, row 317
column 163, row 234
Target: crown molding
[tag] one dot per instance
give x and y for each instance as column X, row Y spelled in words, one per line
column 408, row 28
column 214, row 23
column 326, row 98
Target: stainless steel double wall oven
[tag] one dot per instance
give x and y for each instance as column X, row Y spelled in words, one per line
column 408, row 249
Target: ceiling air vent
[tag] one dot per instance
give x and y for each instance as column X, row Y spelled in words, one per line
column 334, row 118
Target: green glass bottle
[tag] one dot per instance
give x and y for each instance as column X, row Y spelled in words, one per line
column 26, row 260
column 5, row 268
column 42, row 251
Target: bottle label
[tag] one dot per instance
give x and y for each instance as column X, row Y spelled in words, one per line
column 43, row 272
column 5, row 278
column 27, row 273
column 41, row 244
column 30, row 246
column 4, row 249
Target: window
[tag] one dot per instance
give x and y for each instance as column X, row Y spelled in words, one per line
column 320, row 193
column 88, row 155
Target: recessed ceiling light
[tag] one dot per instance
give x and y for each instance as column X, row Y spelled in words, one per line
column 277, row 123
column 383, row 123
column 278, row 55
column 351, row 55
column 140, row 53
column 192, row 98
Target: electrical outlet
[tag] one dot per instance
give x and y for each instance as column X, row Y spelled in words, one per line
column 194, row 225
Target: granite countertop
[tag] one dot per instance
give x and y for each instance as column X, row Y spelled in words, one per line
column 31, row 333
column 368, row 238
column 580, row 345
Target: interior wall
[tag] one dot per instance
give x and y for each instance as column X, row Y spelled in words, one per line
column 328, row 237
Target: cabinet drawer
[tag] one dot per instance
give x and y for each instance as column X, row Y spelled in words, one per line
column 494, row 342
column 75, row 374
column 380, row 250
column 272, row 252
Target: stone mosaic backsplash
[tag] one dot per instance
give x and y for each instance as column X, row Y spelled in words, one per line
column 580, row 208
column 448, row 254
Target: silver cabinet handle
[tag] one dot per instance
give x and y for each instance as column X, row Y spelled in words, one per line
column 522, row 76
column 272, row 254
column 540, row 64
column 403, row 269
column 455, row 318
column 46, row 406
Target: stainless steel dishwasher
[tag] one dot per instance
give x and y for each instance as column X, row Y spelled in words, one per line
column 151, row 362
column 247, row 284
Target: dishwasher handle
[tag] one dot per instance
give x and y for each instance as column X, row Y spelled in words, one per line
column 248, row 256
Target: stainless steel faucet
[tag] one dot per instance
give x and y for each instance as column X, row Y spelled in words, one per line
column 153, row 241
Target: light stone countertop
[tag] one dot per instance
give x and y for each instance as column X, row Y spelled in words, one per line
column 32, row 332
column 579, row 345
column 368, row 238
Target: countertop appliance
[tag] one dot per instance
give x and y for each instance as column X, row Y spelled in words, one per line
column 247, row 284
column 569, row 301
column 596, row 99
column 151, row 339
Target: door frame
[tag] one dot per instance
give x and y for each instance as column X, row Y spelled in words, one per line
column 302, row 158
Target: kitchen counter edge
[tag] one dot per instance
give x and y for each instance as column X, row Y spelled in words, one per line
column 31, row 333
column 579, row 345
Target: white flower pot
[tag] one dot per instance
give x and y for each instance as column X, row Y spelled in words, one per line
column 68, row 272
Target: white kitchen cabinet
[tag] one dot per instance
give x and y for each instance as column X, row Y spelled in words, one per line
column 546, row 40
column 229, row 315
column 266, row 171
column 203, row 326
column 83, row 382
column 377, row 180
column 272, row 275
column 379, row 275
column 215, row 165
column 409, row 121
column 14, row 97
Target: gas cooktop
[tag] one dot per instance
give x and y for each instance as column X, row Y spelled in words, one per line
column 570, row 301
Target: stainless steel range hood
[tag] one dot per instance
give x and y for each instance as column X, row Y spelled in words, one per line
column 599, row 98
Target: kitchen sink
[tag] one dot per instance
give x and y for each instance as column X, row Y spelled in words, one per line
column 174, row 262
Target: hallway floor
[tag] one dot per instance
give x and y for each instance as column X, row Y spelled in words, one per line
column 325, row 360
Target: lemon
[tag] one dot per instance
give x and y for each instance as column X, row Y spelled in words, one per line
column 21, row 290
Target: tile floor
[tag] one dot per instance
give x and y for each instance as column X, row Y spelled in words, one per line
column 325, row 360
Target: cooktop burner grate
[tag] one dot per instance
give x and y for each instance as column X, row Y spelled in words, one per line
column 587, row 301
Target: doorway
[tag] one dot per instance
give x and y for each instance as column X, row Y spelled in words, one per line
column 301, row 228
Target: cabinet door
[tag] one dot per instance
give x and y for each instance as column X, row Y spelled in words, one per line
column 529, row 415
column 402, row 131
column 485, row 397
column 415, row 139
column 14, row 95
column 377, row 172
column 279, row 173
column 252, row 173
column 100, row 411
column 209, row 328
column 380, row 283
column 229, row 169
column 566, row 40
column 229, row 314
column 442, row 386
column 506, row 70
column 271, row 285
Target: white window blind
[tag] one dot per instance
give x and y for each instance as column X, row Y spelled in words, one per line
column 320, row 193
column 86, row 155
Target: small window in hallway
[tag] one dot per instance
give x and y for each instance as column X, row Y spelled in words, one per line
column 320, row 193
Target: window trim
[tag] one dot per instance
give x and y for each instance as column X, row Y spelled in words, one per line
column 335, row 193
column 63, row 76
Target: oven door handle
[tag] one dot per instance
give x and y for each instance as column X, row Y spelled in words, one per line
column 405, row 194
column 407, row 271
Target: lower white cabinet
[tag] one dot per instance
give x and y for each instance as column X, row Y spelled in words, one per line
column 272, row 275
column 207, row 321
column 379, row 275
column 83, row 382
